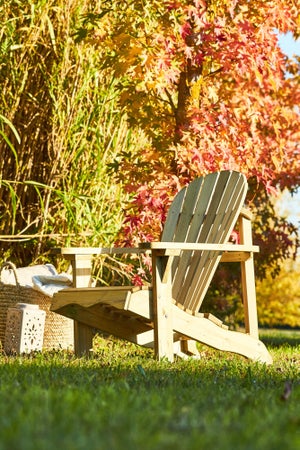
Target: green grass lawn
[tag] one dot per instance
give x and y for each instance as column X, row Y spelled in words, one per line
column 121, row 398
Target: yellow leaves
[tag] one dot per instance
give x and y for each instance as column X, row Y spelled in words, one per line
column 121, row 40
column 278, row 298
column 127, row 45
column 128, row 59
column 297, row 32
column 213, row 94
column 258, row 76
column 204, row 88
column 274, row 82
column 195, row 91
column 276, row 162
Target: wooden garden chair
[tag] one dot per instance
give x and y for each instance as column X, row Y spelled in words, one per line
column 194, row 241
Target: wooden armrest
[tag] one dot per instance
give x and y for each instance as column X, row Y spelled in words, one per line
column 67, row 251
column 81, row 259
column 174, row 248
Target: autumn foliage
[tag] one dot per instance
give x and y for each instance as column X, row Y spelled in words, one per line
column 98, row 96
column 209, row 87
column 278, row 299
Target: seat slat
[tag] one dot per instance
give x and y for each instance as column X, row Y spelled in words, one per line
column 99, row 317
column 115, row 296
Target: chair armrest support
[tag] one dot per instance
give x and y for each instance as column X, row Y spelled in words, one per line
column 246, row 213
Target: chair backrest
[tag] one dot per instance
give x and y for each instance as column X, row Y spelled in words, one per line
column 205, row 211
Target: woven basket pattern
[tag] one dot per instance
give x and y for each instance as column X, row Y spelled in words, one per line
column 59, row 330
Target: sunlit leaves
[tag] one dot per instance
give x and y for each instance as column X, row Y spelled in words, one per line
column 234, row 78
column 206, row 82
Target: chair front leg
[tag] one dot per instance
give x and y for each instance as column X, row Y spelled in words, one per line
column 162, row 306
column 82, row 277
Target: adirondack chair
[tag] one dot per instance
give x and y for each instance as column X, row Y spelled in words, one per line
column 194, row 241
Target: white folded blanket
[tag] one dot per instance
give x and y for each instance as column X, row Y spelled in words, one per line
column 50, row 284
column 42, row 277
column 24, row 274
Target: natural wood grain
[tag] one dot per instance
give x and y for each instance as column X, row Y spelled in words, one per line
column 194, row 241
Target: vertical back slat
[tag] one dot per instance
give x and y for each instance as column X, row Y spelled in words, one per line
column 202, row 274
column 205, row 211
column 173, row 217
column 199, row 209
column 198, row 261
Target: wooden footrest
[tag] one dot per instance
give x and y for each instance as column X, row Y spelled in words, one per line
column 208, row 316
column 215, row 320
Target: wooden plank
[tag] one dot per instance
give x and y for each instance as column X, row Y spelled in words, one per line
column 235, row 256
column 246, row 213
column 202, row 330
column 199, row 246
column 146, row 338
column 213, row 318
column 173, row 216
column 178, row 222
column 81, row 270
column 162, row 310
column 197, row 212
column 132, row 299
column 82, row 276
column 67, row 251
column 140, row 303
column 99, row 318
column 83, row 338
column 86, row 297
column 193, row 192
column 217, row 227
column 248, row 281
column 189, row 347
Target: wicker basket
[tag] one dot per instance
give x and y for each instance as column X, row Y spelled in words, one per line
column 59, row 330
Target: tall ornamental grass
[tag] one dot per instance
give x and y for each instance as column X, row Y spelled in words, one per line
column 60, row 128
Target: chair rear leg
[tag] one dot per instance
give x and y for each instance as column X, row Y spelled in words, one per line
column 248, row 280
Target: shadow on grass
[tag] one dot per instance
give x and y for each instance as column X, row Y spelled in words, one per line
column 281, row 337
column 125, row 365
column 86, row 375
column 137, row 368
